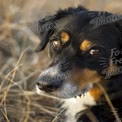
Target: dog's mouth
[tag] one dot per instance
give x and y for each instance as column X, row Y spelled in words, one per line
column 84, row 91
column 68, row 91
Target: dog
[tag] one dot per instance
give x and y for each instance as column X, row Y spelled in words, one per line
column 85, row 71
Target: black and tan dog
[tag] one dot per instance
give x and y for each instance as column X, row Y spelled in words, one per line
column 85, row 48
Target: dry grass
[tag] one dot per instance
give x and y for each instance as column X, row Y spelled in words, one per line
column 20, row 65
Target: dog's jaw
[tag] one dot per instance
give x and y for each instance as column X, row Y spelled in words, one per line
column 74, row 105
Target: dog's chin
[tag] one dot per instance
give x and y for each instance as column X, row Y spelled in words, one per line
column 71, row 92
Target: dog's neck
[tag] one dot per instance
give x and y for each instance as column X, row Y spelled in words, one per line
column 114, row 86
column 80, row 104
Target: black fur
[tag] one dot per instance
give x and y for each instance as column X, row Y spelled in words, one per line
column 76, row 21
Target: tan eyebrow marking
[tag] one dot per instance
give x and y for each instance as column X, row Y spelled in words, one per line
column 64, row 37
column 85, row 45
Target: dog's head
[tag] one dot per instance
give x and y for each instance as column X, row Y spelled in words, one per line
column 83, row 49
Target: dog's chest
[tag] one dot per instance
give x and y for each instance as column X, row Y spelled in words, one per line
column 75, row 105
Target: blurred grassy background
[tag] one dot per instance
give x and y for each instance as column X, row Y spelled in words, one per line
column 20, row 65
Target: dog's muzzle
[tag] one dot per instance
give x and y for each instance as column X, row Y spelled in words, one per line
column 51, row 79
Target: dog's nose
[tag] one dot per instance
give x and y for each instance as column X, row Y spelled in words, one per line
column 48, row 87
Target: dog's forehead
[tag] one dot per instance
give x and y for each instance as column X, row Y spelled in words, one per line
column 99, row 36
column 72, row 22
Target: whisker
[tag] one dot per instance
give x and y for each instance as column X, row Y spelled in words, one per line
column 103, row 58
column 92, row 15
column 65, row 62
column 102, row 61
column 66, row 65
column 104, row 66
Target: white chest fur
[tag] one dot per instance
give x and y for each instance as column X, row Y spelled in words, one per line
column 75, row 105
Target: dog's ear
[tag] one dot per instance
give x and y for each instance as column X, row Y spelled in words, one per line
column 45, row 27
column 44, row 41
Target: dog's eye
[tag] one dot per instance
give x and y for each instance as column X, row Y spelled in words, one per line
column 94, row 51
column 56, row 44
